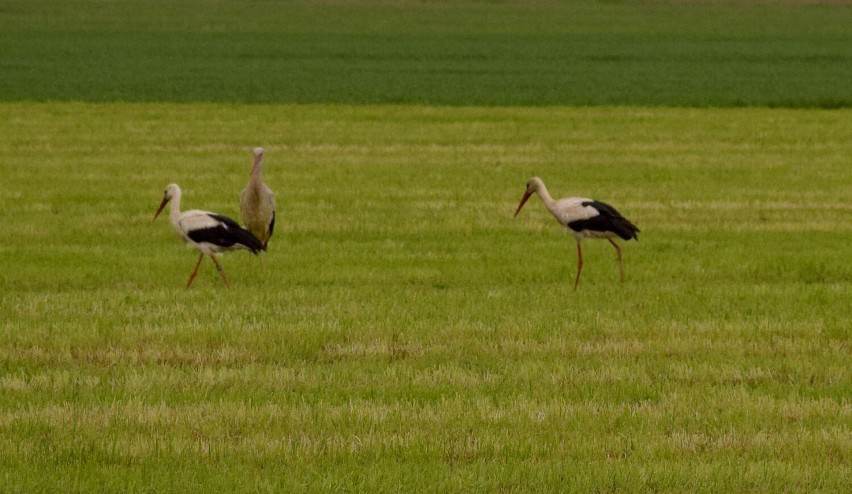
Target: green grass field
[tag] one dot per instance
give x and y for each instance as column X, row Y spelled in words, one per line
column 404, row 333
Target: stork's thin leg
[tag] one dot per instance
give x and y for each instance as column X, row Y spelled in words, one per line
column 221, row 270
column 579, row 264
column 620, row 266
column 195, row 271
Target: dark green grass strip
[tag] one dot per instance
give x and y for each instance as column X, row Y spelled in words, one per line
column 415, row 53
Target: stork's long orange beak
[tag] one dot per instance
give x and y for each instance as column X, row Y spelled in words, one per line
column 527, row 195
column 162, row 205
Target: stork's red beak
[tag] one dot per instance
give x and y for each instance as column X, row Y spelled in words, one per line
column 162, row 205
column 527, row 195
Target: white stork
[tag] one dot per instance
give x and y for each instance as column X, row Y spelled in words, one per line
column 584, row 218
column 208, row 232
column 257, row 203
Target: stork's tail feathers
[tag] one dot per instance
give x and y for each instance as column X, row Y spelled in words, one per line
column 625, row 229
column 251, row 242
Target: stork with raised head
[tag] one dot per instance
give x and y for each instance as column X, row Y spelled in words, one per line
column 208, row 232
column 584, row 218
column 257, row 203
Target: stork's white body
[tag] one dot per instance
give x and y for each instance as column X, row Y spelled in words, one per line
column 196, row 220
column 572, row 209
column 257, row 203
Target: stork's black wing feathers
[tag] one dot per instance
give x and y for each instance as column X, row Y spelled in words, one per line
column 228, row 234
column 272, row 224
column 227, row 221
column 609, row 220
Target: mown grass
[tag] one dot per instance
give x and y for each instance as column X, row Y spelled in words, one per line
column 404, row 332
column 436, row 53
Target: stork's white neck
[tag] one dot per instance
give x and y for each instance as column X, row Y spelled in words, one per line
column 255, row 170
column 542, row 192
column 174, row 208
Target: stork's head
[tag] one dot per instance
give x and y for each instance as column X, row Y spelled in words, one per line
column 258, row 157
column 532, row 187
column 171, row 191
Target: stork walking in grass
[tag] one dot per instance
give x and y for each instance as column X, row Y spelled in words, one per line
column 257, row 203
column 584, row 218
column 210, row 233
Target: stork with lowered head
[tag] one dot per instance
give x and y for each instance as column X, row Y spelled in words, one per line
column 210, row 233
column 584, row 218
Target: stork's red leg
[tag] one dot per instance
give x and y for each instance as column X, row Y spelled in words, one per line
column 579, row 264
column 620, row 266
column 195, row 271
column 221, row 270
